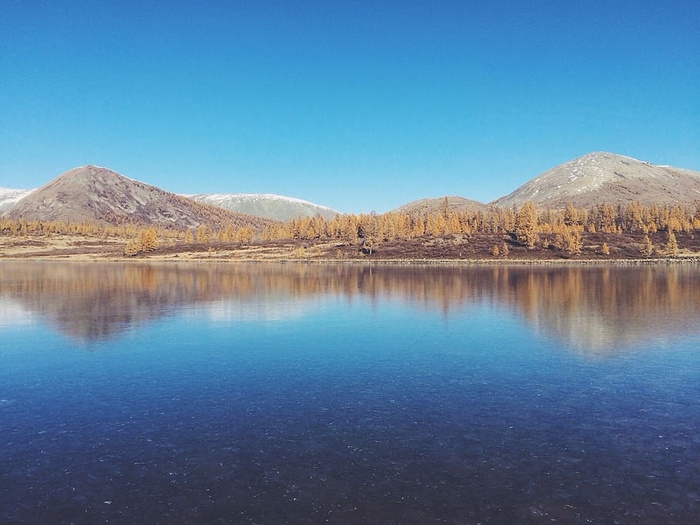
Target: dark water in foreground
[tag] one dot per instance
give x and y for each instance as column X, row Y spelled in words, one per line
column 324, row 394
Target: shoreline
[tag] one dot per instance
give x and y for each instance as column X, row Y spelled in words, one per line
column 214, row 259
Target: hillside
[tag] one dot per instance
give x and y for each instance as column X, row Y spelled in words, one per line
column 601, row 177
column 433, row 205
column 99, row 195
column 274, row 207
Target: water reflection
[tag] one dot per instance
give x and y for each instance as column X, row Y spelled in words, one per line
column 594, row 310
column 397, row 394
column 604, row 309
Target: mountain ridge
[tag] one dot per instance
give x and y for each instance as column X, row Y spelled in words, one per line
column 95, row 194
column 267, row 205
column 603, row 177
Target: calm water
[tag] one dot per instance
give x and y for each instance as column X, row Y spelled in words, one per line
column 344, row 394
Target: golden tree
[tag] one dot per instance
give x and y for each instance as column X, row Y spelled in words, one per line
column 148, row 240
column 605, row 216
column 244, row 234
column 634, row 217
column 570, row 215
column 526, row 225
column 671, row 248
column 504, row 249
column 569, row 240
column 131, row 248
column 203, row 233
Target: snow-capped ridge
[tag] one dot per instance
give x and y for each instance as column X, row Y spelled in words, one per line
column 10, row 197
column 266, row 205
column 253, row 197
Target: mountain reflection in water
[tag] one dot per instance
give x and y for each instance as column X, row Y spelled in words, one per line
column 306, row 393
column 594, row 310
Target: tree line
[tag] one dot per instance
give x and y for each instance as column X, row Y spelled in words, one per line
column 526, row 225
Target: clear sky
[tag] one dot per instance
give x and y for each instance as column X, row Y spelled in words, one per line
column 357, row 105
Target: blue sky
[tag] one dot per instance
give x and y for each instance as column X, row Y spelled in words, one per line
column 357, row 105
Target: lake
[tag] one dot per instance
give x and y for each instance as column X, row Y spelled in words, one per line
column 292, row 393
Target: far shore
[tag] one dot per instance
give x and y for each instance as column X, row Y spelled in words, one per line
column 218, row 258
column 443, row 252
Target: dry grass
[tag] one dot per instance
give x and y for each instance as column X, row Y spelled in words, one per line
column 449, row 248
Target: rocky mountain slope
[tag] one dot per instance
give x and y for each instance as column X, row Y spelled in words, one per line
column 433, row 205
column 606, row 177
column 9, row 198
column 275, row 207
column 95, row 194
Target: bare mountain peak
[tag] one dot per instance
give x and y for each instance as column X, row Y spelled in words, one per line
column 434, row 205
column 87, row 172
column 606, row 177
column 96, row 194
column 90, row 174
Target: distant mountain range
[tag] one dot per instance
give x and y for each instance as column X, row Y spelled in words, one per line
column 91, row 193
column 275, row 207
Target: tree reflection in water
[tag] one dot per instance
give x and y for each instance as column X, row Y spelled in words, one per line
column 596, row 310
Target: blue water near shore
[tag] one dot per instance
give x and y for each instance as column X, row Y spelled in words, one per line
column 334, row 407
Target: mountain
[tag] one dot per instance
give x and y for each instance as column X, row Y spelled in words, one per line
column 94, row 194
column 9, row 198
column 606, row 177
column 275, row 207
column 428, row 206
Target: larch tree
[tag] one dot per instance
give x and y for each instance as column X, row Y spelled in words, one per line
column 504, row 249
column 570, row 215
column 526, row 225
column 148, row 240
column 569, row 240
column 647, row 248
column 671, row 248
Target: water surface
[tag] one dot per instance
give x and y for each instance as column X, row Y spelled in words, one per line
column 184, row 393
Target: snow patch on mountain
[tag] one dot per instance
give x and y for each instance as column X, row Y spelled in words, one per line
column 266, row 205
column 253, row 197
column 10, row 197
